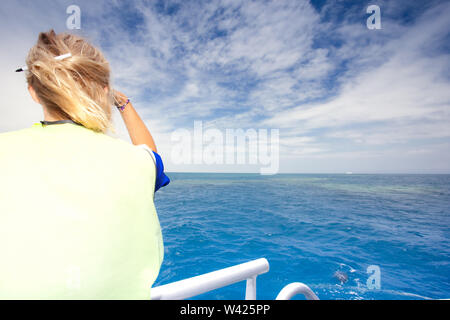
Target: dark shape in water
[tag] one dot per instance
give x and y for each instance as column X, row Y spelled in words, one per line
column 341, row 276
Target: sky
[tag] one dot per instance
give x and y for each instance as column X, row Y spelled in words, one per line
column 341, row 97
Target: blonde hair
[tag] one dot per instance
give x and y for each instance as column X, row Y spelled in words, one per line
column 72, row 88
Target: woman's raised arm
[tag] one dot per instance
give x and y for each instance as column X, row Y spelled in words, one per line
column 137, row 129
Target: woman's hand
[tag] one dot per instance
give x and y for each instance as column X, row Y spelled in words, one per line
column 119, row 98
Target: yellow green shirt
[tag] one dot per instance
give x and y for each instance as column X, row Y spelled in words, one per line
column 77, row 217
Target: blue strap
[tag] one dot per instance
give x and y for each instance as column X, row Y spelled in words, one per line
column 161, row 179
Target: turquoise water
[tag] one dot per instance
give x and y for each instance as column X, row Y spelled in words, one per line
column 308, row 227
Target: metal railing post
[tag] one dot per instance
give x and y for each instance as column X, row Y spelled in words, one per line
column 250, row 290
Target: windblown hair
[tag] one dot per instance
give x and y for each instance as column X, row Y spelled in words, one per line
column 72, row 88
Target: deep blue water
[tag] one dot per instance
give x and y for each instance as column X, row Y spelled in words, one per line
column 308, row 227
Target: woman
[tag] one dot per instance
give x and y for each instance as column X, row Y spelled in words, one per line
column 77, row 218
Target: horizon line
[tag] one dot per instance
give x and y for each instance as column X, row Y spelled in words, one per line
column 341, row 173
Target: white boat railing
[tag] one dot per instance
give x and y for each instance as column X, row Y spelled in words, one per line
column 195, row 286
column 296, row 288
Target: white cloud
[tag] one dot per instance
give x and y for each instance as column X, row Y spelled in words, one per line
column 402, row 99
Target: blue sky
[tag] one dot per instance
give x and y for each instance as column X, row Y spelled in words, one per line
column 344, row 98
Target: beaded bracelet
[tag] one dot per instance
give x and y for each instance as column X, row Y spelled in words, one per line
column 123, row 107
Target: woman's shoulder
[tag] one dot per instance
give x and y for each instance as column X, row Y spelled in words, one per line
column 125, row 150
column 74, row 139
column 12, row 135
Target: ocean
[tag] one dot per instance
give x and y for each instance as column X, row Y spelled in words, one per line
column 388, row 234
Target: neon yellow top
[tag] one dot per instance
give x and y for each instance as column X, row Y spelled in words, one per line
column 77, row 218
